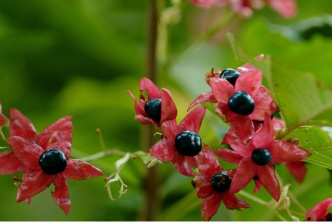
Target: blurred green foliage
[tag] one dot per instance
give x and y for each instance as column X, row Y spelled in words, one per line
column 79, row 58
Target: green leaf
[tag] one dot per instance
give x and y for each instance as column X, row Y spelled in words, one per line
column 317, row 141
column 300, row 96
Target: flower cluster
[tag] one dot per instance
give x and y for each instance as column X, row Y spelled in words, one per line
column 44, row 158
column 242, row 101
column 286, row 8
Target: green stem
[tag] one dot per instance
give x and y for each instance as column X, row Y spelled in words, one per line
column 279, row 215
column 103, row 154
column 3, row 138
column 101, row 140
column 252, row 197
column 151, row 181
column 222, row 23
column 296, row 202
column 179, row 209
column 297, row 213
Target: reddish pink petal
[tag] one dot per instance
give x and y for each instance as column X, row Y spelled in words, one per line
column 297, row 169
column 225, row 113
column 168, row 108
column 9, row 163
column 264, row 136
column 320, row 210
column 258, row 185
column 278, row 124
column 203, row 187
column 240, row 8
column 263, row 104
column 250, row 82
column 268, row 177
column 145, row 120
column 248, row 67
column 192, row 160
column 21, row 126
column 310, row 216
column 203, row 3
column 170, row 130
column 210, row 205
column 286, row 8
column 182, row 166
column 138, row 108
column 28, row 201
column 193, row 120
column 163, row 150
column 242, row 127
column 284, row 151
column 208, row 164
column 61, row 193
column 57, row 136
column 153, row 90
column 228, row 155
column 232, row 202
column 222, row 89
column 27, row 152
column 203, row 98
column 244, row 149
column 33, row 182
column 3, row 120
column 80, row 170
column 245, row 171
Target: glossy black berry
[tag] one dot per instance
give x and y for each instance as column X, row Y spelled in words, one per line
column 53, row 161
column 153, row 108
column 241, row 103
column 261, row 156
column 188, row 143
column 221, row 182
column 230, row 75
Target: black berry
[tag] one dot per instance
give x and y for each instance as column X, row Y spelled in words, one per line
column 221, row 182
column 261, row 156
column 328, row 217
column 153, row 108
column 241, row 103
column 230, row 75
column 53, row 161
column 188, row 143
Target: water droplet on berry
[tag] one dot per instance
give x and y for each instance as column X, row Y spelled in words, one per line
column 230, row 75
column 241, row 103
column 261, row 156
column 221, row 182
column 188, row 143
column 53, row 161
column 153, row 108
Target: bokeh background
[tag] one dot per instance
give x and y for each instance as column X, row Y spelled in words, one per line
column 79, row 57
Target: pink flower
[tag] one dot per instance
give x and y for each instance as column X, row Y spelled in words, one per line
column 168, row 149
column 209, row 3
column 297, row 169
column 257, row 156
column 212, row 185
column 46, row 158
column 3, row 118
column 286, row 8
column 19, row 126
column 248, row 85
column 319, row 212
column 156, row 107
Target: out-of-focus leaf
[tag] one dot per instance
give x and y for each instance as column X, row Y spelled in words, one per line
column 317, row 141
column 300, row 96
column 307, row 29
